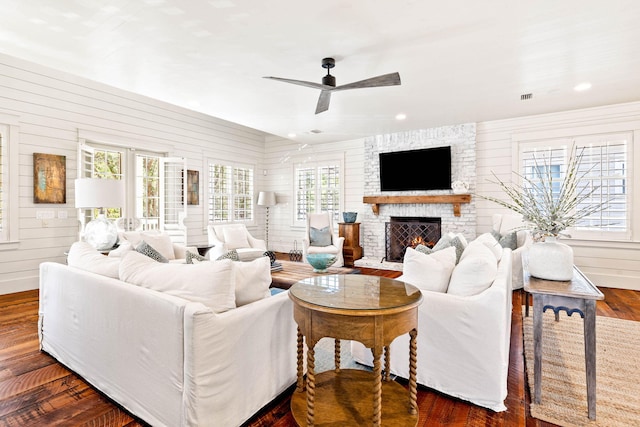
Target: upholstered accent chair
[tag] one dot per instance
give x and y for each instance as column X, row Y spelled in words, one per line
column 505, row 225
column 234, row 236
column 320, row 238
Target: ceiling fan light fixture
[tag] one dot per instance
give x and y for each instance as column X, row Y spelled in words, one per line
column 329, row 80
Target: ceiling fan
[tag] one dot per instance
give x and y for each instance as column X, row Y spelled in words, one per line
column 329, row 84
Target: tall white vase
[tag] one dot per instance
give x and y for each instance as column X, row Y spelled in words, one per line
column 551, row 260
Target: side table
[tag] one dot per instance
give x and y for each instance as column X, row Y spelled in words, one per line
column 577, row 295
column 351, row 249
column 370, row 309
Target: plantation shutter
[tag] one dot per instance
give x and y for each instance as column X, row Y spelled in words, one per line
column 173, row 208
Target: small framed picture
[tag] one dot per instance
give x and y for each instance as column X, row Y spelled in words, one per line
column 193, row 187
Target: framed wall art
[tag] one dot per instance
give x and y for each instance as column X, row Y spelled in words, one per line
column 193, row 187
column 49, row 178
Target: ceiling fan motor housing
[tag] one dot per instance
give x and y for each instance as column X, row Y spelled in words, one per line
column 328, row 80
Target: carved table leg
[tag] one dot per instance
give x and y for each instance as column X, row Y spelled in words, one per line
column 413, row 361
column 300, row 382
column 387, row 363
column 537, row 347
column 337, row 355
column 377, row 386
column 311, row 385
column 590, row 355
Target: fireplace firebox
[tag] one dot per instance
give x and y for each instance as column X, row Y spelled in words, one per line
column 408, row 232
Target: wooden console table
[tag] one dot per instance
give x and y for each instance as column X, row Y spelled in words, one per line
column 577, row 295
column 370, row 309
column 351, row 250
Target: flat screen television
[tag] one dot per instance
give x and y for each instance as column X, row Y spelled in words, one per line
column 424, row 169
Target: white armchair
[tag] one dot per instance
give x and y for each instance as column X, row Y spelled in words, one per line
column 320, row 238
column 234, row 236
column 505, row 224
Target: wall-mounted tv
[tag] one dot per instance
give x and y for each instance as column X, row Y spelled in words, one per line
column 424, row 169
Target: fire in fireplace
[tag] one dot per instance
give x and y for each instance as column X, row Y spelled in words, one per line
column 404, row 232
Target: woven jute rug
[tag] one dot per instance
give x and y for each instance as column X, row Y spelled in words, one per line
column 564, row 389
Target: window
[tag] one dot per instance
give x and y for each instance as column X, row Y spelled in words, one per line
column 230, row 193
column 154, row 185
column 317, row 189
column 604, row 167
column 8, row 181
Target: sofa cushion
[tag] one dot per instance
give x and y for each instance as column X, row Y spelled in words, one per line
column 210, row 283
column 85, row 257
column 475, row 272
column 319, row 236
column 122, row 249
column 161, row 242
column 235, row 237
column 429, row 272
column 146, row 249
column 252, row 279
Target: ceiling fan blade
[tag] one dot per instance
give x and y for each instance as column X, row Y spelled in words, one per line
column 391, row 79
column 301, row 83
column 323, row 101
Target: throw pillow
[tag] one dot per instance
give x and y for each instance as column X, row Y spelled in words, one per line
column 190, row 256
column 161, row 242
column 490, row 242
column 232, row 255
column 475, row 272
column 451, row 239
column 85, row 257
column 122, row 249
column 509, row 240
column 429, row 272
column 319, row 236
column 252, row 279
column 235, row 237
column 424, row 249
column 209, row 283
column 148, row 250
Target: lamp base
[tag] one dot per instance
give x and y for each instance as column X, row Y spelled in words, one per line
column 101, row 233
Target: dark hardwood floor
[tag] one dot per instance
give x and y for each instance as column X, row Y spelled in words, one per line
column 35, row 390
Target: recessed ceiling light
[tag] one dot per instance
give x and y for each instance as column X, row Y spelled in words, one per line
column 401, row 116
column 582, row 87
column 291, row 135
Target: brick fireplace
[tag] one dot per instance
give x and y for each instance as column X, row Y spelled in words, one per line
column 404, row 232
column 462, row 139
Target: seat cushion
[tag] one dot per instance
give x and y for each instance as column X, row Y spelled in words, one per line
column 249, row 254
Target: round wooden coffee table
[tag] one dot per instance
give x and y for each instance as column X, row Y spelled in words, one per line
column 370, row 309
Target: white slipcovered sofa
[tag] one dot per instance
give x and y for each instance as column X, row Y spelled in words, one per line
column 463, row 336
column 169, row 356
column 505, row 225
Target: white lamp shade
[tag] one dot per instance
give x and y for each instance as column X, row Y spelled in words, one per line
column 99, row 193
column 267, row 198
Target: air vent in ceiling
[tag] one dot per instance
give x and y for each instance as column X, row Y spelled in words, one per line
column 526, row 96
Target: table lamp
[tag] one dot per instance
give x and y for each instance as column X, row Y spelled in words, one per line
column 91, row 193
column 266, row 199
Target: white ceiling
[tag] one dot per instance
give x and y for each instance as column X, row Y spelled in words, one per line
column 459, row 60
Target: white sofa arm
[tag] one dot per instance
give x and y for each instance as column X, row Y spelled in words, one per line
column 256, row 243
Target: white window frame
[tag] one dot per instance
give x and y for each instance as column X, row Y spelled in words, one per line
column 10, row 132
column 586, row 140
column 230, row 211
column 317, row 163
column 130, row 149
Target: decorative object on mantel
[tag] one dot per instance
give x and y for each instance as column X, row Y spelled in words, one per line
column 454, row 199
column 295, row 254
column 349, row 217
column 550, row 210
column 459, row 187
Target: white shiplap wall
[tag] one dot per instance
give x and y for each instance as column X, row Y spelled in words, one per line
column 607, row 264
column 280, row 156
column 53, row 107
